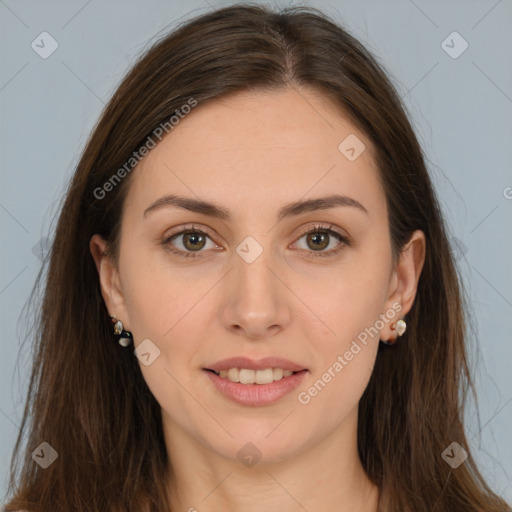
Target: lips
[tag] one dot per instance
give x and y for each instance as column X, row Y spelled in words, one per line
column 251, row 364
column 256, row 395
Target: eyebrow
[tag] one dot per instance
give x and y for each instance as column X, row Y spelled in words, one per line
column 219, row 212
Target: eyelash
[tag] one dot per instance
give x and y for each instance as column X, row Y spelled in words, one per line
column 313, row 254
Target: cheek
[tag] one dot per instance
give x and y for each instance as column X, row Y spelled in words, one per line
column 345, row 348
column 343, row 324
column 346, row 321
column 160, row 294
column 344, row 298
column 170, row 307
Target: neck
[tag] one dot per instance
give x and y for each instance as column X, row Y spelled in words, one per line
column 326, row 476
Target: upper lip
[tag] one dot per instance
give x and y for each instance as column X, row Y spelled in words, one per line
column 260, row 364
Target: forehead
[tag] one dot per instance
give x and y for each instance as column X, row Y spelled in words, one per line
column 255, row 146
column 290, row 120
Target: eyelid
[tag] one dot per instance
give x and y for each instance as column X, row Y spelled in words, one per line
column 188, row 227
column 344, row 239
column 182, row 230
column 323, row 227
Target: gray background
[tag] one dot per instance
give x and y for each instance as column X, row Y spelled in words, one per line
column 461, row 109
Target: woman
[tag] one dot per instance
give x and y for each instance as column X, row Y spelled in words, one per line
column 252, row 219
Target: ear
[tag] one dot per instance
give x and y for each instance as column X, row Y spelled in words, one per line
column 110, row 283
column 404, row 281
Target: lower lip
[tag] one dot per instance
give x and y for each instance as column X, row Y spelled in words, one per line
column 257, row 394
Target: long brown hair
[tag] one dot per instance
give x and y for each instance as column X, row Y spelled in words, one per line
column 87, row 398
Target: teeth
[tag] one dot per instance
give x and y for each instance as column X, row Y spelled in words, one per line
column 246, row 376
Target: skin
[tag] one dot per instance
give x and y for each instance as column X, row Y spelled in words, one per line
column 253, row 153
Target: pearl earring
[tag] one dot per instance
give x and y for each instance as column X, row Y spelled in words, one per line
column 400, row 326
column 124, row 337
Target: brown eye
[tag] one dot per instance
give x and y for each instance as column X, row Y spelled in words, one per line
column 319, row 238
column 188, row 243
column 194, row 240
column 191, row 242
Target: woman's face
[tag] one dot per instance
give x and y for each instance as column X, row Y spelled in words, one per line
column 254, row 284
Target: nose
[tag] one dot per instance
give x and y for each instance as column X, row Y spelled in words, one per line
column 255, row 301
